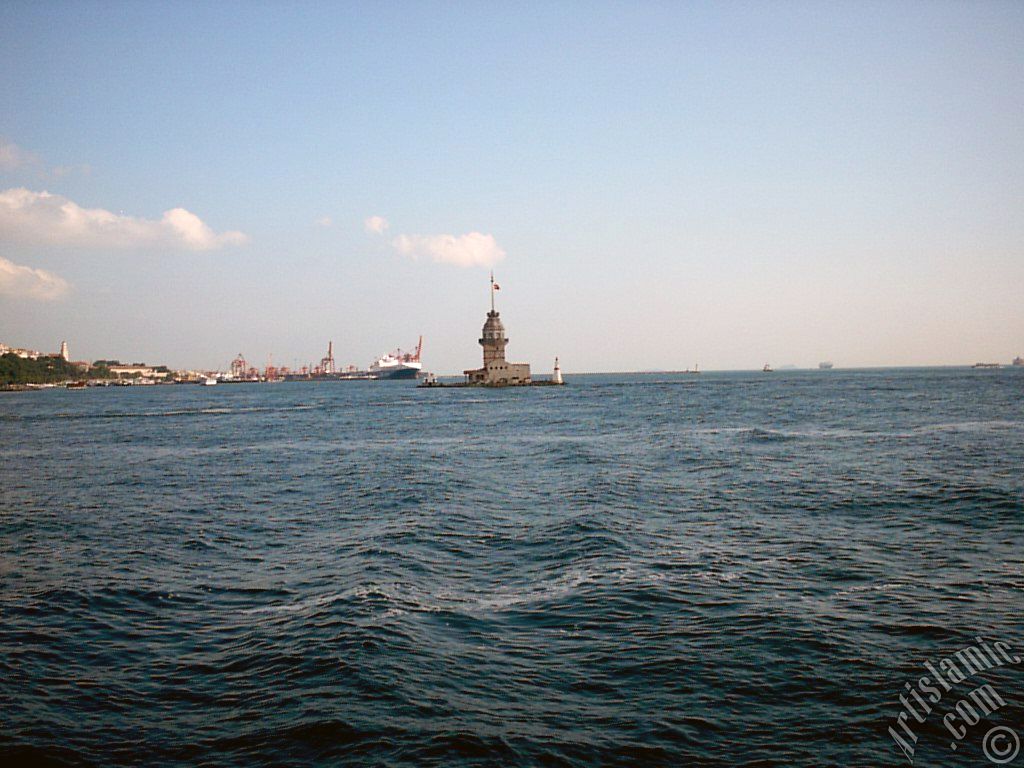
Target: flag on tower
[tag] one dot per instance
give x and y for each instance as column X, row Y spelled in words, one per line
column 497, row 287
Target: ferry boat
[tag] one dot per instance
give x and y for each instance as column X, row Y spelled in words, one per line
column 398, row 364
column 826, row 366
column 1018, row 362
column 767, row 368
column 986, row 365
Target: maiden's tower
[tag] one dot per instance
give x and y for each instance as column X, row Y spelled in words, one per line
column 497, row 371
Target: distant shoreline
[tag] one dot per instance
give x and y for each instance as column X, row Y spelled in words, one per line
column 689, row 374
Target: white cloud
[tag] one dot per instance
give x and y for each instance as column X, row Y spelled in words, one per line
column 376, row 224
column 324, row 221
column 470, row 250
column 26, row 282
column 12, row 156
column 199, row 237
column 47, row 219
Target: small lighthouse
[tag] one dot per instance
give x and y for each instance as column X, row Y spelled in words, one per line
column 64, row 351
column 556, row 377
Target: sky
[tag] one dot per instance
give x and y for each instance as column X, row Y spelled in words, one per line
column 655, row 185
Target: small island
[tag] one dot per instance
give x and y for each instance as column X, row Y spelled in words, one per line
column 496, row 370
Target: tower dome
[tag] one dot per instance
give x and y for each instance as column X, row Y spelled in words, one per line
column 493, row 330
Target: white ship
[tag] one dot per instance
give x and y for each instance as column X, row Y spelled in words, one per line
column 398, row 364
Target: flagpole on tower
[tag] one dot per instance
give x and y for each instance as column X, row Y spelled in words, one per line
column 492, row 290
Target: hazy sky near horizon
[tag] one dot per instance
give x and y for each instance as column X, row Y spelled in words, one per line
column 654, row 184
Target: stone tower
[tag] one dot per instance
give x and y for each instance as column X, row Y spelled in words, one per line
column 64, row 351
column 497, row 372
column 493, row 340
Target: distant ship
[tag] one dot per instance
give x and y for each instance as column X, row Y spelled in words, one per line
column 398, row 364
column 1018, row 361
column 767, row 368
column 987, row 365
column 826, row 366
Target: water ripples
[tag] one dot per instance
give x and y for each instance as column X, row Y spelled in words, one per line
column 730, row 570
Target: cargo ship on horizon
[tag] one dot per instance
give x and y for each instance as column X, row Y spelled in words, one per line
column 398, row 364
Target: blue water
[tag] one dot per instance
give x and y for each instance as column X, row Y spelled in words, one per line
column 724, row 569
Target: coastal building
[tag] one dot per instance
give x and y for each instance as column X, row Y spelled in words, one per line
column 496, row 370
column 33, row 354
column 25, row 354
column 139, row 370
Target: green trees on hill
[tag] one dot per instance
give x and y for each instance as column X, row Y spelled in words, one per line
column 44, row 370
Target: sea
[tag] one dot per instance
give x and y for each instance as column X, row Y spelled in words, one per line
column 724, row 569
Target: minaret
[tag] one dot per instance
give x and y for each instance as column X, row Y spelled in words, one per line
column 64, row 351
column 556, row 377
